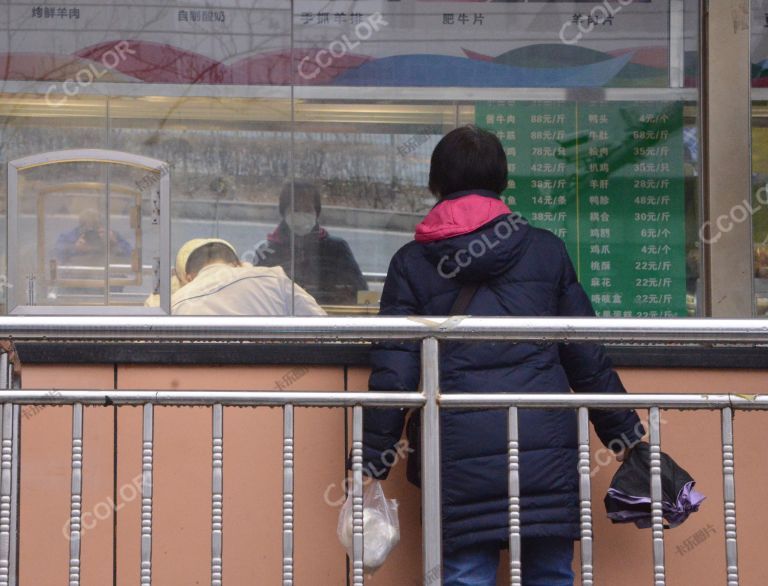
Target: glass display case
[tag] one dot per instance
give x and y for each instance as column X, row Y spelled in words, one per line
column 88, row 230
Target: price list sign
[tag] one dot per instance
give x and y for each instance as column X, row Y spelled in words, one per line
column 607, row 177
column 536, row 137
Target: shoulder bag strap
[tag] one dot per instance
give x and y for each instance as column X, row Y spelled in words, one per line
column 464, row 298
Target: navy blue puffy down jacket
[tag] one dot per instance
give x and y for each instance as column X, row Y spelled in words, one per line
column 524, row 271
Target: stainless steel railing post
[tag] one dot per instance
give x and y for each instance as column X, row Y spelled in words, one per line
column 513, row 466
column 659, row 573
column 6, row 481
column 288, row 495
column 217, row 496
column 358, row 544
column 585, row 498
column 729, row 498
column 9, row 478
column 76, row 496
column 430, row 474
column 147, row 461
column 13, row 570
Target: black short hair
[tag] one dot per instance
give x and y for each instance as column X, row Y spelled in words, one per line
column 468, row 158
column 302, row 190
column 210, row 253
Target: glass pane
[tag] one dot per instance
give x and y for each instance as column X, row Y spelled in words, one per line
column 368, row 163
column 254, row 106
column 29, row 125
column 228, row 160
column 592, row 155
column 467, row 44
column 607, row 178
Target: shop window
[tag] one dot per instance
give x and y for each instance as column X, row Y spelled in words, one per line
column 301, row 133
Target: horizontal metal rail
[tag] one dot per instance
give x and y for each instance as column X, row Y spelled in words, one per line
column 226, row 398
column 741, row 332
column 603, row 401
column 385, row 399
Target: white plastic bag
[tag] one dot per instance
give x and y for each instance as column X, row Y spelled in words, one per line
column 381, row 528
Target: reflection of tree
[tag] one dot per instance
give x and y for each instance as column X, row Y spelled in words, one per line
column 358, row 170
column 352, row 170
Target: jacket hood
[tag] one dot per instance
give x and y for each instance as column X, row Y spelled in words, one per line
column 460, row 213
column 186, row 251
column 473, row 236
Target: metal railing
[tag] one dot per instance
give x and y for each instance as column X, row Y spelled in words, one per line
column 430, row 330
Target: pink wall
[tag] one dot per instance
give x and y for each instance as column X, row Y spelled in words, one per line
column 253, row 484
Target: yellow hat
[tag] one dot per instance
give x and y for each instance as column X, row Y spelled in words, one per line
column 186, row 251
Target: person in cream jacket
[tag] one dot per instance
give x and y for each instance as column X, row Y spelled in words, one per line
column 215, row 282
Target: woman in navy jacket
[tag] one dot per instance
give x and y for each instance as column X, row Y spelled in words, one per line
column 471, row 237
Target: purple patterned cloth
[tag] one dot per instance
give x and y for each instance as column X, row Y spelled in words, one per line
column 629, row 497
column 638, row 509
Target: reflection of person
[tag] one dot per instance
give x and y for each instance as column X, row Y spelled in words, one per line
column 217, row 283
column 88, row 241
column 324, row 264
column 517, row 270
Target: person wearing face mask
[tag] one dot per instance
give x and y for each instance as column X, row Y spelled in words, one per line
column 323, row 264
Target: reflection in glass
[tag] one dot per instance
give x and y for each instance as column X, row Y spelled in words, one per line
column 79, row 230
column 207, row 90
column 319, row 262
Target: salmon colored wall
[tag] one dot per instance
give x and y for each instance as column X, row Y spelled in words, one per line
column 252, row 478
column 253, row 483
column 693, row 439
column 403, row 568
column 46, row 454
